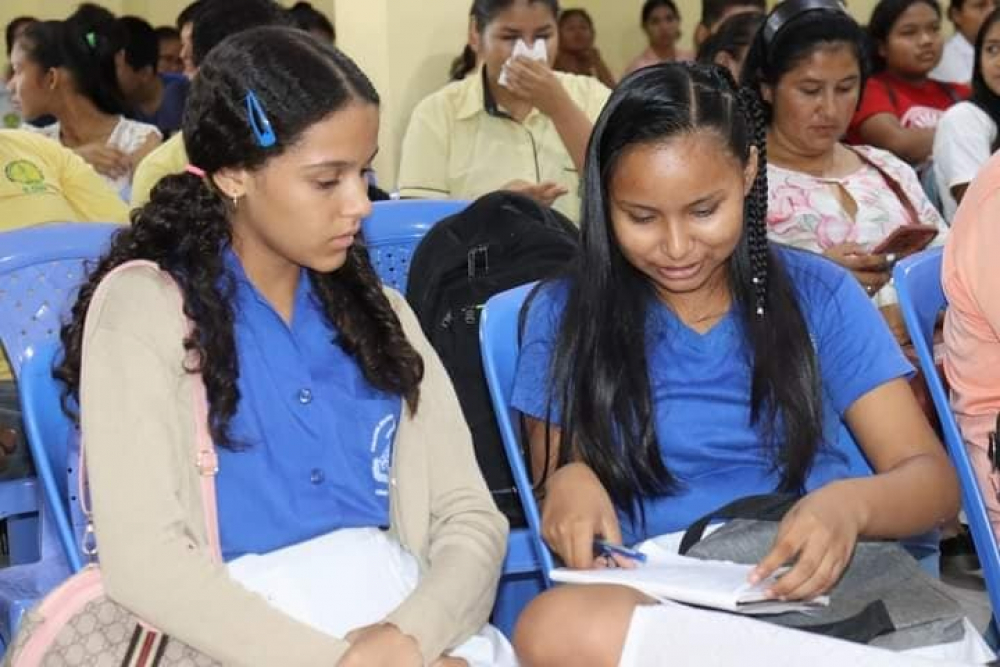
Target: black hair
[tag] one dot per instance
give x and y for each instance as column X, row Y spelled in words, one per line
column 484, row 11
column 576, row 11
column 713, row 10
column 600, row 372
column 309, row 18
column 733, row 36
column 185, row 227
column 187, row 14
column 982, row 96
column 956, row 5
column 167, row 32
column 12, row 28
column 651, row 6
column 142, row 48
column 216, row 20
column 84, row 45
column 463, row 64
column 798, row 37
column 883, row 18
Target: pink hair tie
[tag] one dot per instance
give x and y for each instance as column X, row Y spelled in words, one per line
column 197, row 171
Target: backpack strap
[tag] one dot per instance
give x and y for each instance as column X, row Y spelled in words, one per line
column 765, row 507
column 204, row 455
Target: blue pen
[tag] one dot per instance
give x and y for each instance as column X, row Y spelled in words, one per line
column 605, row 548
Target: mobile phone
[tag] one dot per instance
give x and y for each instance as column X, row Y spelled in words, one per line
column 906, row 240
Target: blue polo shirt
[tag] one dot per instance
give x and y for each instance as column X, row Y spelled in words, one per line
column 701, row 390
column 314, row 437
column 169, row 117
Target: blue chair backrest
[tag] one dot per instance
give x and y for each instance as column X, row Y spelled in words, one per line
column 395, row 228
column 498, row 340
column 921, row 299
column 49, row 433
column 41, row 269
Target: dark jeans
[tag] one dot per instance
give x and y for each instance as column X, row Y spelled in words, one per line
column 15, row 459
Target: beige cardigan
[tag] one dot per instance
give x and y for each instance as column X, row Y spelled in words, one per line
column 137, row 415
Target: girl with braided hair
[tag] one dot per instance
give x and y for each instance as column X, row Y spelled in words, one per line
column 685, row 362
column 334, row 423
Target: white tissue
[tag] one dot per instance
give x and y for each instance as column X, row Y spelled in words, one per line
column 534, row 52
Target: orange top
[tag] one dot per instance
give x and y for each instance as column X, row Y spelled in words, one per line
column 971, row 279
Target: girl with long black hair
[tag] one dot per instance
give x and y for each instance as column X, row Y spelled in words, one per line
column 685, row 363
column 330, row 413
column 967, row 133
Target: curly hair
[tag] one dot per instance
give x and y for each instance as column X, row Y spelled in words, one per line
column 185, row 226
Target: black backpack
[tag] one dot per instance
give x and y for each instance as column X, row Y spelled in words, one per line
column 499, row 242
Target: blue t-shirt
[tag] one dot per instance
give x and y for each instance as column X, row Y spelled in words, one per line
column 700, row 388
column 315, row 437
column 169, row 117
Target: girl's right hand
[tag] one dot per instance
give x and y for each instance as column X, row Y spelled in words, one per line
column 381, row 645
column 575, row 511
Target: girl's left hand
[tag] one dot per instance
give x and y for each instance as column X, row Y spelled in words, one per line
column 819, row 534
column 534, row 81
column 381, row 644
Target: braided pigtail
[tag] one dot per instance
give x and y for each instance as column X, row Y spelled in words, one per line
column 756, row 201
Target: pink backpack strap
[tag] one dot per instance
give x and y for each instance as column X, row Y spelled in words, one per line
column 204, row 457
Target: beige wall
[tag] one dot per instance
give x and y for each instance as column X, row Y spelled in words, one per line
column 406, row 47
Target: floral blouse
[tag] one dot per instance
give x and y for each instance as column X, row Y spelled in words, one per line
column 805, row 211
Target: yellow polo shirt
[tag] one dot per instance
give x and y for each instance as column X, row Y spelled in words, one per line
column 457, row 148
column 169, row 158
column 42, row 181
column 45, row 182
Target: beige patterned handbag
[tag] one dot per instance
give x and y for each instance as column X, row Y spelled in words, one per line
column 78, row 625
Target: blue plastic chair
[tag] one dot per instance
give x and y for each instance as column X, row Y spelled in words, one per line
column 395, row 228
column 498, row 340
column 526, row 570
column 49, row 433
column 40, row 270
column 921, row 298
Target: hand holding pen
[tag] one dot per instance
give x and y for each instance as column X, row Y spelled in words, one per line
column 615, row 555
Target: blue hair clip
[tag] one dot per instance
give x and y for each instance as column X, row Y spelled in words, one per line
column 259, row 123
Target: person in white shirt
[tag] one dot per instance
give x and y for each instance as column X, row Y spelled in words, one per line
column 66, row 69
column 967, row 133
column 956, row 61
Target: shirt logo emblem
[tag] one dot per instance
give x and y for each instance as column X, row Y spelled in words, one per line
column 26, row 174
column 381, row 451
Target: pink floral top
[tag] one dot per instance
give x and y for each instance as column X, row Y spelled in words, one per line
column 805, row 211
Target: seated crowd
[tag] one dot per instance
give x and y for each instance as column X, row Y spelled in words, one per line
column 728, row 329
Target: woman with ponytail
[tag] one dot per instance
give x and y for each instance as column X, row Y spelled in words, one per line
column 685, row 363
column 337, row 431
column 66, row 70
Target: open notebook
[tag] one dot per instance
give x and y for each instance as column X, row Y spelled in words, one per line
column 706, row 583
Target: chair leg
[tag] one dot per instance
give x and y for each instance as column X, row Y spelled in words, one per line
column 513, row 595
column 22, row 539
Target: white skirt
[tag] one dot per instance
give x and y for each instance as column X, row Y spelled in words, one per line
column 348, row 579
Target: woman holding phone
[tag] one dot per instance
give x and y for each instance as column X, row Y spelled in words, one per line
column 808, row 63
